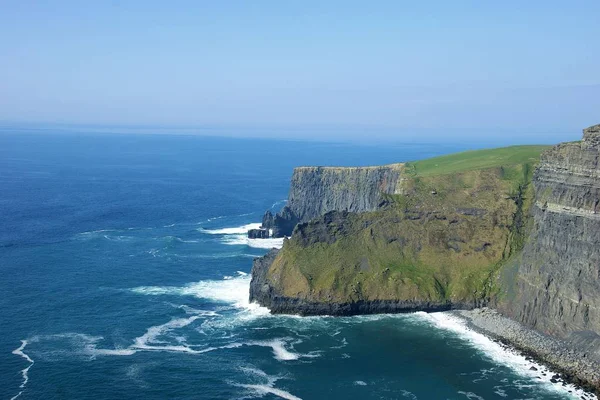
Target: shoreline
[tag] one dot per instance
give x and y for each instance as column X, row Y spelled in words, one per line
column 569, row 364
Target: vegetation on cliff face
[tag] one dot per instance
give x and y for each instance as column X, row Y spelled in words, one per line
column 455, row 220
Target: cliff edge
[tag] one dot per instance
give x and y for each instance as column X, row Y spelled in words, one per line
column 315, row 191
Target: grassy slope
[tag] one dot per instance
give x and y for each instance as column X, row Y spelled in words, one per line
column 477, row 159
column 423, row 245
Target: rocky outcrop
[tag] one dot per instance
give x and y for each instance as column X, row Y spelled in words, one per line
column 554, row 285
column 315, row 191
column 258, row 234
column 260, row 289
column 265, row 293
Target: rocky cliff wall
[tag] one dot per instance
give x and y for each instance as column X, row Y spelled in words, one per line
column 554, row 286
column 315, row 191
column 434, row 246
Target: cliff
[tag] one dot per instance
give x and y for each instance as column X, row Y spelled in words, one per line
column 315, row 191
column 516, row 229
column 434, row 244
column 554, row 284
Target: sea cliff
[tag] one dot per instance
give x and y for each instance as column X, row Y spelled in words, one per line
column 554, row 284
column 315, row 191
column 434, row 244
column 515, row 229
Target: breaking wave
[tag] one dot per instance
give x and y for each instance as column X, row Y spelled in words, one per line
column 265, row 384
column 272, row 243
column 231, row 290
column 500, row 354
column 231, row 231
column 238, row 236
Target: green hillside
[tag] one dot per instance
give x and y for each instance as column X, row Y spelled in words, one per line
column 476, row 159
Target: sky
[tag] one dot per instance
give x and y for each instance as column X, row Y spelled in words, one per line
column 515, row 70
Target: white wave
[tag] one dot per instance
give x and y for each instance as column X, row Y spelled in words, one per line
column 25, row 371
column 279, row 350
column 151, row 340
column 239, row 236
column 264, row 388
column 280, row 353
column 243, row 240
column 195, row 311
column 234, row 291
column 231, row 231
column 360, row 383
column 278, row 203
column 500, row 354
column 152, row 334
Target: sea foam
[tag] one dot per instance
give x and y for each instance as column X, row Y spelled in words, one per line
column 231, row 290
column 271, row 243
column 25, row 371
column 231, row 231
column 500, row 354
column 267, row 386
column 238, row 236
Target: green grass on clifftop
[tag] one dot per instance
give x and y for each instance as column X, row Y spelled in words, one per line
column 452, row 225
column 476, row 159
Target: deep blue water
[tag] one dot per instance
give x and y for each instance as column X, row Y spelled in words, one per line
column 124, row 274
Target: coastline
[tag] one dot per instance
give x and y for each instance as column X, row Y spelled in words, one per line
column 567, row 365
column 571, row 365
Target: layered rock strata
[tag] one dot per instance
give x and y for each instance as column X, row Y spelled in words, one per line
column 315, row 191
column 554, row 286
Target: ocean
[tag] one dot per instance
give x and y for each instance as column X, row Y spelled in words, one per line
column 125, row 273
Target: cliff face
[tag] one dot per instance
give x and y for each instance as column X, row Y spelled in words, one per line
column 554, row 286
column 315, row 191
column 433, row 245
column 456, row 231
column 506, row 228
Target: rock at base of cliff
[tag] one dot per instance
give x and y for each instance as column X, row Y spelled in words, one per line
column 259, row 233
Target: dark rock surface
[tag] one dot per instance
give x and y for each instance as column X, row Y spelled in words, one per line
column 315, row 191
column 258, row 233
column 260, row 289
column 554, row 285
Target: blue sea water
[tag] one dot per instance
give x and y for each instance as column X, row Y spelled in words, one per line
column 125, row 272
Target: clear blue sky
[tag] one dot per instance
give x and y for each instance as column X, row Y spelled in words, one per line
column 523, row 69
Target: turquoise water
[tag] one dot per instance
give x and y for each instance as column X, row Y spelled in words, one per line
column 125, row 274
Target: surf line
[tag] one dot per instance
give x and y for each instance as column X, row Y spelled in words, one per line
column 24, row 372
